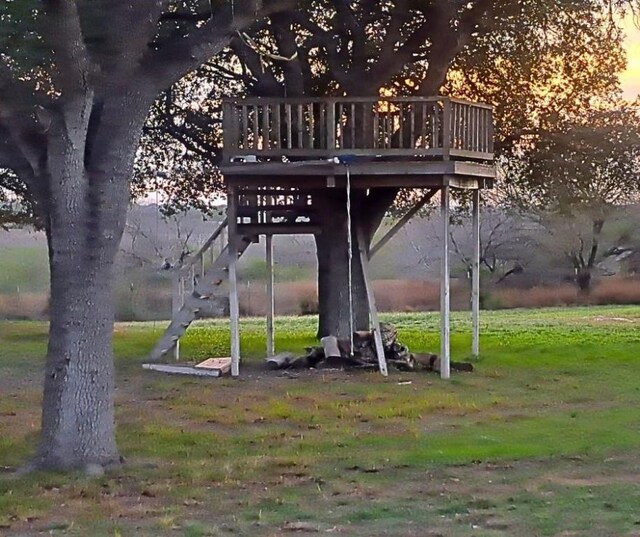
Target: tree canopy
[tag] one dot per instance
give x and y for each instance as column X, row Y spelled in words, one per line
column 536, row 62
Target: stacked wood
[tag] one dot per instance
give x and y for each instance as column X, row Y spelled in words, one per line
column 337, row 353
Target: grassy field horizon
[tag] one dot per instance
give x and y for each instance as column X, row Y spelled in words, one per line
column 543, row 438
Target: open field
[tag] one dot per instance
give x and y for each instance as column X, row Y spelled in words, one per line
column 542, row 439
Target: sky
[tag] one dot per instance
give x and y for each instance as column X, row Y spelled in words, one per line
column 630, row 79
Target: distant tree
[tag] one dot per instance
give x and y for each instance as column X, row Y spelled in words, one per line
column 505, row 242
column 77, row 81
column 575, row 176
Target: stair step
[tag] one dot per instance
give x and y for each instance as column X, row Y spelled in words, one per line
column 209, row 287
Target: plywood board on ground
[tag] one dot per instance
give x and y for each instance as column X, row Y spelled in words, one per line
column 221, row 364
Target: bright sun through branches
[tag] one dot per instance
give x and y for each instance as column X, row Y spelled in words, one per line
column 630, row 78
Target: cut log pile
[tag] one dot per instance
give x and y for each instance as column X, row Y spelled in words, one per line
column 337, row 353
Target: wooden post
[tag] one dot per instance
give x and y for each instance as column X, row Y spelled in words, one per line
column 373, row 310
column 331, row 128
column 475, row 277
column 177, row 300
column 447, row 121
column 444, row 287
column 270, row 297
column 234, row 307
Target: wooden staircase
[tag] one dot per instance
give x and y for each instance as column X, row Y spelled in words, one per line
column 207, row 287
column 199, row 289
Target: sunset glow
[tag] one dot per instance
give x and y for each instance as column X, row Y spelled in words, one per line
column 630, row 79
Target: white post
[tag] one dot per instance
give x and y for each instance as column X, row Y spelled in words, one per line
column 234, row 307
column 475, row 277
column 444, row 287
column 270, row 297
column 177, row 301
column 373, row 310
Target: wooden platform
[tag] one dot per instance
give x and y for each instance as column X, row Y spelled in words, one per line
column 382, row 142
column 401, row 174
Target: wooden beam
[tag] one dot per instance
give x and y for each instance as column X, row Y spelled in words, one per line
column 475, row 277
column 373, row 310
column 278, row 229
column 177, row 301
column 234, row 307
column 270, row 297
column 445, row 357
column 388, row 167
column 401, row 223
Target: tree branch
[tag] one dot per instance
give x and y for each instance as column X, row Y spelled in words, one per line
column 180, row 55
column 73, row 67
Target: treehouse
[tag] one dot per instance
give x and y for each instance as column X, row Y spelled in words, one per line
column 283, row 156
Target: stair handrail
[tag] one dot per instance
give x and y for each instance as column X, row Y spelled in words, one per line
column 188, row 263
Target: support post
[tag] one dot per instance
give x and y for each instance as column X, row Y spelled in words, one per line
column 270, row 297
column 444, row 287
column 177, row 301
column 234, row 307
column 373, row 310
column 475, row 278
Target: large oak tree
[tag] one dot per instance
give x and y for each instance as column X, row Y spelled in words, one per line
column 77, row 80
column 531, row 59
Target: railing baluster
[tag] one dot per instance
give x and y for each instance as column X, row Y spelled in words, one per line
column 288, row 121
column 277, row 126
column 311, row 126
column 341, row 126
column 256, row 126
column 446, row 129
column 472, row 128
column 477, row 129
column 412, row 133
column 322, row 135
column 365, row 116
column 483, row 133
column 300, row 129
column 331, row 127
column 426, row 117
column 265, row 128
column 376, row 125
column 243, row 135
column 352, row 120
column 400, row 126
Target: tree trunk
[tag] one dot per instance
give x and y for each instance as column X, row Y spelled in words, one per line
column 333, row 271
column 90, row 161
column 583, row 280
column 333, row 264
column 77, row 412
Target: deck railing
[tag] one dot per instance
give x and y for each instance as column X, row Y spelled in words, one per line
column 378, row 126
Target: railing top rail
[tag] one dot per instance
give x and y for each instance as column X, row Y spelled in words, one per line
column 469, row 103
column 193, row 259
column 251, row 101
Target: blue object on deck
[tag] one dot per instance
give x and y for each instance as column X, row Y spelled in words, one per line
column 347, row 159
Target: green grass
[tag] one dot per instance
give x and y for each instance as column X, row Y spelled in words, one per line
column 541, row 439
column 23, row 269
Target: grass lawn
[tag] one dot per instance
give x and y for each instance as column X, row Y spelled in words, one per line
column 542, row 439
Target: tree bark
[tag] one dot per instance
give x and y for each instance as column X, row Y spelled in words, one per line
column 333, row 270
column 78, row 412
column 90, row 161
column 333, row 264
